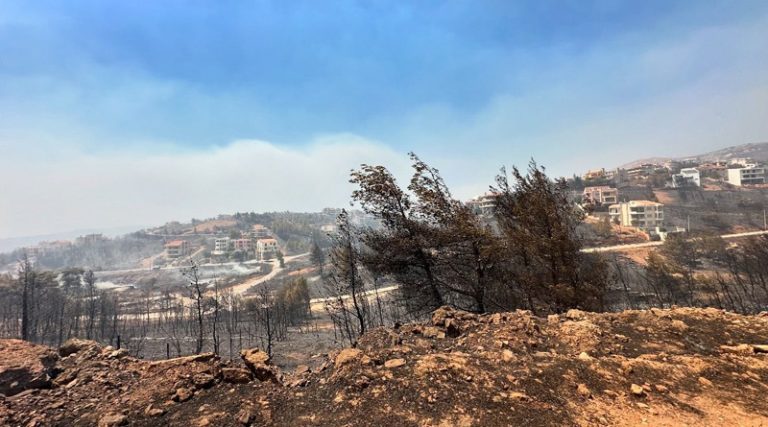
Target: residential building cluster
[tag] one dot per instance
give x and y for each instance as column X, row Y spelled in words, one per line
column 257, row 243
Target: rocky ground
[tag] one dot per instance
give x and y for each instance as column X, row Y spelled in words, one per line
column 656, row 367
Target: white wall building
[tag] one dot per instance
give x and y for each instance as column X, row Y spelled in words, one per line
column 220, row 245
column 600, row 195
column 266, row 248
column 688, row 177
column 642, row 214
column 746, row 176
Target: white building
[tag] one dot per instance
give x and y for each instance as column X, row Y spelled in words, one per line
column 642, row 214
column 266, row 248
column 220, row 245
column 688, row 177
column 259, row 231
column 746, row 176
column 601, row 195
column 485, row 204
column 176, row 248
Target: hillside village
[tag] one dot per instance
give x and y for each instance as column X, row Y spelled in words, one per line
column 293, row 288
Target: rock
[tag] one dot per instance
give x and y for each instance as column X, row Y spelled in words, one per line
column 113, row 420
column 301, row 370
column 442, row 315
column 76, row 345
column 519, row 396
column 760, row 348
column 298, row 382
column 507, row 356
column 245, row 417
column 679, row 325
column 705, row 382
column 236, row 375
column 118, row 354
column 433, row 332
column 394, row 363
column 203, row 380
column 661, row 388
column 182, row 395
column 637, row 390
column 151, row 411
column 259, row 364
column 737, row 349
column 574, row 314
column 583, row 390
column 585, row 357
column 254, row 356
column 347, row 356
column 24, row 366
column 553, row 319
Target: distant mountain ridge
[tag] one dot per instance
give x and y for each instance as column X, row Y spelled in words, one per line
column 756, row 151
column 8, row 244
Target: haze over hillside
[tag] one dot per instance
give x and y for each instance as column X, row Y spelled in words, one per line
column 756, row 151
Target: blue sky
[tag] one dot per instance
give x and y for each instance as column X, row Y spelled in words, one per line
column 171, row 88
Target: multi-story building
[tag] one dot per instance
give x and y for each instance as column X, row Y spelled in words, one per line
column 600, row 195
column 259, row 231
column 642, row 214
column 242, row 244
column 176, row 248
column 688, row 177
column 221, row 245
column 266, row 248
column 484, row 204
column 743, row 161
column 594, row 174
column 746, row 176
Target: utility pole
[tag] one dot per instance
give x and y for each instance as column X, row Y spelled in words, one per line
column 765, row 224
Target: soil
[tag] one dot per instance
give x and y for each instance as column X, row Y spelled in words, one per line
column 656, row 367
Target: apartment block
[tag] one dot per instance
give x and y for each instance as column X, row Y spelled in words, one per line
column 601, row 195
column 746, row 176
column 642, row 214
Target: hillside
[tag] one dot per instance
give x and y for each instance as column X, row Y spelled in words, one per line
column 756, row 151
column 655, row 367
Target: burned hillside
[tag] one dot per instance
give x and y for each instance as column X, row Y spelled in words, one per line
column 655, row 367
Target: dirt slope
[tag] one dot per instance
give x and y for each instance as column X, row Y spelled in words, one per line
column 657, row 367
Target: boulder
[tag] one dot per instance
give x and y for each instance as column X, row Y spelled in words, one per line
column 113, row 420
column 574, row 314
column 182, row 395
column 253, row 356
column 24, row 366
column 583, row 390
column 245, row 417
column 737, row 349
column 347, row 356
column 637, row 390
column 76, row 345
column 394, row 363
column 203, row 380
column 259, row 364
column 236, row 375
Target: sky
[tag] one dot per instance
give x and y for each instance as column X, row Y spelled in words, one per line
column 116, row 114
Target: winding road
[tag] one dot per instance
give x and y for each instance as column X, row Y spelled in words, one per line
column 619, row 248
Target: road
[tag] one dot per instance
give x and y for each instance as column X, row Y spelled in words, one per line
column 619, row 248
column 181, row 267
column 241, row 288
